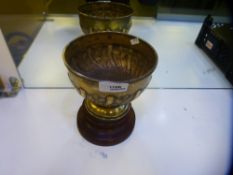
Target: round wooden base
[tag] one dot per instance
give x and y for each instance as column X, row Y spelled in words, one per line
column 105, row 132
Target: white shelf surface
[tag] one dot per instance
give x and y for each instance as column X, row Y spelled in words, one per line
column 181, row 63
column 189, row 136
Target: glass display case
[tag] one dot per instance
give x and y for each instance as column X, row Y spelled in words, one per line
column 37, row 33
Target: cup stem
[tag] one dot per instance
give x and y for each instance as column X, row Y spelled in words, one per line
column 106, row 113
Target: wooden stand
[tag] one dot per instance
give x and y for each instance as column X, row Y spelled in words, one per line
column 105, row 132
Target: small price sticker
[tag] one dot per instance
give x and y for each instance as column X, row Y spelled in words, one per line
column 209, row 44
column 134, row 41
column 108, row 86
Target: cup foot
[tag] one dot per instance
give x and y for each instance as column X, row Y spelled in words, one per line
column 105, row 132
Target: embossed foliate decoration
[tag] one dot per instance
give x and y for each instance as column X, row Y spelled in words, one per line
column 105, row 16
column 109, row 69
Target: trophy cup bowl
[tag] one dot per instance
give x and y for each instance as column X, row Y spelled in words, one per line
column 105, row 16
column 109, row 70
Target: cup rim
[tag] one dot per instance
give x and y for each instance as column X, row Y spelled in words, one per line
column 147, row 74
column 105, row 18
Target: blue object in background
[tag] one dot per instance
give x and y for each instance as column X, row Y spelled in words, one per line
column 18, row 43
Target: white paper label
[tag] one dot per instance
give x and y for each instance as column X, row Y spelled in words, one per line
column 134, row 41
column 209, row 44
column 108, row 86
